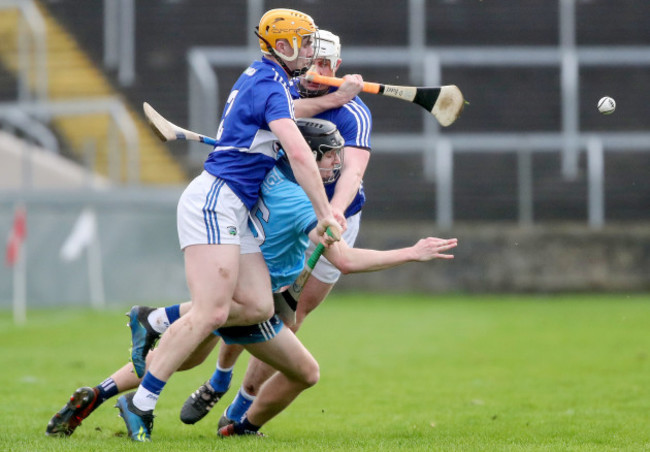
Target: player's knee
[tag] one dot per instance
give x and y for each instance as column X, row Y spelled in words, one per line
column 265, row 311
column 210, row 320
column 314, row 376
column 311, row 374
column 251, row 388
column 259, row 312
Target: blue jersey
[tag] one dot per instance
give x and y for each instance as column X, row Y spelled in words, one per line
column 246, row 148
column 282, row 220
column 354, row 122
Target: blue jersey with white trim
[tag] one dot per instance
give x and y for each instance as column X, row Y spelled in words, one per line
column 282, row 220
column 354, row 122
column 246, row 148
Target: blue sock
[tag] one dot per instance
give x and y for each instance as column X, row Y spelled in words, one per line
column 240, row 405
column 107, row 389
column 173, row 313
column 146, row 396
column 152, row 384
column 220, row 380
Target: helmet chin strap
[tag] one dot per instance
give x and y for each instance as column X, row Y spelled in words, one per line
column 295, row 72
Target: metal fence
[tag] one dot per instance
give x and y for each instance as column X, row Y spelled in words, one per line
column 438, row 147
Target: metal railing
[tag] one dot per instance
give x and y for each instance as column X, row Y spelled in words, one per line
column 119, row 39
column 437, row 148
column 33, row 107
column 120, row 119
column 32, row 50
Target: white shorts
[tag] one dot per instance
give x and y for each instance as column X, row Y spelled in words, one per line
column 324, row 271
column 209, row 212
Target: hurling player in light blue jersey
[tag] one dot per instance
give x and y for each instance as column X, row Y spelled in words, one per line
column 353, row 119
column 284, row 240
column 222, row 261
column 286, row 224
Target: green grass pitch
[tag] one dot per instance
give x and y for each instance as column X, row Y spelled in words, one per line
column 398, row 372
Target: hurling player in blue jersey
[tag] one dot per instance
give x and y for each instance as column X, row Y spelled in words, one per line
column 222, row 261
column 353, row 120
column 284, row 240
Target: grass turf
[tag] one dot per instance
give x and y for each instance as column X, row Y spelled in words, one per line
column 398, row 372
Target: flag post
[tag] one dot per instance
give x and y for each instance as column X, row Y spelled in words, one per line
column 95, row 272
column 20, row 288
column 84, row 237
column 16, row 258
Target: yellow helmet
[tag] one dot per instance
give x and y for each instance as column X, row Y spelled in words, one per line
column 287, row 24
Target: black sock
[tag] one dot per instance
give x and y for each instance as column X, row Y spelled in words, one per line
column 245, row 425
column 107, row 389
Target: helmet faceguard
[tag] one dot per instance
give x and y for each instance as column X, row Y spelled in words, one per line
column 327, row 47
column 285, row 24
column 322, row 137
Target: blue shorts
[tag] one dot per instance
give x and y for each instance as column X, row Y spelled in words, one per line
column 251, row 334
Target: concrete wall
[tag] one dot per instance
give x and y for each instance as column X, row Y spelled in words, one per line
column 509, row 258
column 24, row 165
column 141, row 262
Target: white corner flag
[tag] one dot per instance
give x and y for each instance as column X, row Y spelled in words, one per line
column 84, row 236
column 81, row 236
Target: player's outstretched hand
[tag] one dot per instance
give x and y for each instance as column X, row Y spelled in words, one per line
column 335, row 230
column 352, row 85
column 433, row 248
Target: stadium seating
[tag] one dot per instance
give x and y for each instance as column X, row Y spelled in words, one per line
column 396, row 186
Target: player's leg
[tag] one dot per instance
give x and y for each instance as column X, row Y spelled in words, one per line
column 298, row 370
column 211, row 220
column 257, row 373
column 87, row 399
column 147, row 325
column 317, row 288
column 139, row 424
column 252, row 299
column 206, row 397
column 201, row 401
column 212, row 272
column 312, row 295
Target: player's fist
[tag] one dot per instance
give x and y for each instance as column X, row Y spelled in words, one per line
column 329, row 230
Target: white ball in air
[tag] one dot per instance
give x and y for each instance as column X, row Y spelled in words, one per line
column 606, row 105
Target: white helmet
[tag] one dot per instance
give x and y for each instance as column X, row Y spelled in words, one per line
column 328, row 47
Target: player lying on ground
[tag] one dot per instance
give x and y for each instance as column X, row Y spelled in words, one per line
column 354, row 121
column 298, row 369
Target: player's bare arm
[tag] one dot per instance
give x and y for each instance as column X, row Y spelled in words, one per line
column 311, row 106
column 358, row 260
column 356, row 161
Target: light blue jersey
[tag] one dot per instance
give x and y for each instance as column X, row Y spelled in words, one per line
column 283, row 218
column 246, row 148
column 284, row 215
